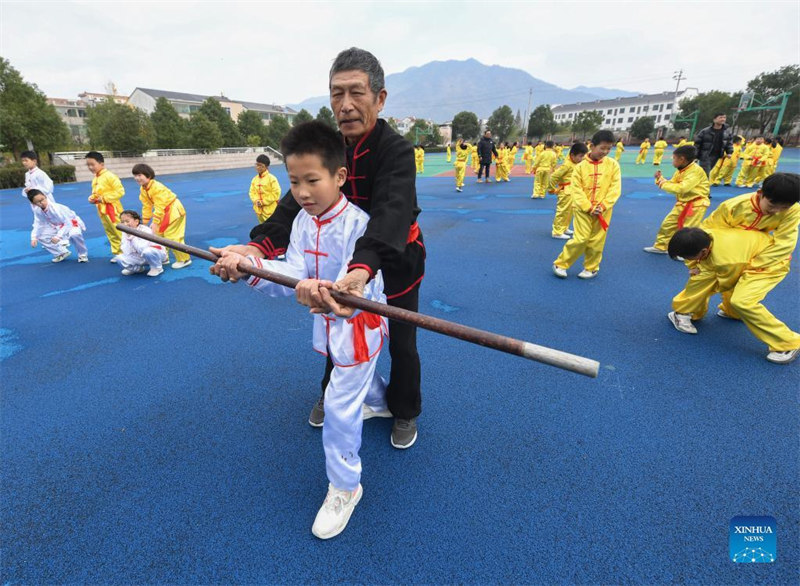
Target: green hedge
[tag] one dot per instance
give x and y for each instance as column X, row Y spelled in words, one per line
column 14, row 175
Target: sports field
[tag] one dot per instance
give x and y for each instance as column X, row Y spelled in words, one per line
column 154, row 429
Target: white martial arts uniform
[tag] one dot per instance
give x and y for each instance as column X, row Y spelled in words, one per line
column 61, row 222
column 137, row 252
column 320, row 248
column 38, row 179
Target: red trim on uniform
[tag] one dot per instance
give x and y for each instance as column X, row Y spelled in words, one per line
column 688, row 210
column 406, row 290
column 361, row 266
column 317, row 252
column 413, row 233
column 111, row 212
column 603, row 223
column 259, row 246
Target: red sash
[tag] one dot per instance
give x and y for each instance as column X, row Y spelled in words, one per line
column 360, row 324
column 687, row 211
column 165, row 220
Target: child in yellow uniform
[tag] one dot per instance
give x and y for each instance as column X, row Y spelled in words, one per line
column 449, row 153
column 419, row 158
column 772, row 209
column 265, row 191
column 476, row 161
column 514, row 150
column 643, row 148
column 723, row 170
column 681, row 142
column 462, row 154
column 751, row 166
column 542, row 168
column 723, row 262
column 500, row 163
column 775, row 155
column 559, row 184
column 107, row 191
column 527, row 157
column 538, row 149
column 690, row 186
column 658, row 151
column 595, row 187
column 559, row 150
column 164, row 208
column 619, row 150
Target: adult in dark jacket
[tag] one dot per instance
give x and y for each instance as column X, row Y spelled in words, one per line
column 712, row 142
column 380, row 180
column 486, row 149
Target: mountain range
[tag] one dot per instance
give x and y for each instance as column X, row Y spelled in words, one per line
column 440, row 89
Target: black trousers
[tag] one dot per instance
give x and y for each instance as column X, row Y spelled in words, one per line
column 483, row 166
column 403, row 393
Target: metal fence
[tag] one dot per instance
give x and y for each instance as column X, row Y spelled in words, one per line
column 68, row 157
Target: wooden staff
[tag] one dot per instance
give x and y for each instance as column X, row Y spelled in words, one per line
column 557, row 358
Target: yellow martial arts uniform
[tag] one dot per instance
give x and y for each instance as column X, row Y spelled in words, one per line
column 476, row 162
column 449, row 154
column 690, row 187
column 766, row 165
column 500, row 173
column 419, row 159
column 527, row 156
column 642, row 156
column 723, row 170
column 167, row 213
column 107, row 191
column 461, row 165
column 514, row 151
column 559, row 183
column 542, row 168
column 733, row 269
column 619, row 151
column 771, row 266
column 658, row 151
column 559, row 149
column 594, row 185
column 510, row 155
column 538, row 150
column 681, row 142
column 747, row 161
column 761, row 154
column 265, row 191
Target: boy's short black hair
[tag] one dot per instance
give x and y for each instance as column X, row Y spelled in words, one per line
column 603, row 136
column 718, row 114
column 32, row 193
column 142, row 169
column 263, row 159
column 96, row 156
column 688, row 242
column 315, row 138
column 548, row 144
column 132, row 213
column 578, row 149
column 780, row 188
column 686, row 151
column 737, row 139
column 29, row 155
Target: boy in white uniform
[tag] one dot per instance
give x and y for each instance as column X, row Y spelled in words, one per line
column 56, row 225
column 320, row 247
column 35, row 178
column 138, row 252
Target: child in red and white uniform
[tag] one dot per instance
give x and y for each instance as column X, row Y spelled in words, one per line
column 56, row 226
column 138, row 252
column 320, row 247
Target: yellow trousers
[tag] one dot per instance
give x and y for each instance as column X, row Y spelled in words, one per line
column 670, row 224
column 563, row 215
column 500, row 173
column 176, row 231
column 528, row 166
column 658, row 154
column 263, row 215
column 743, row 302
column 763, row 171
column 541, row 181
column 589, row 240
column 461, row 170
column 617, row 155
column 420, row 166
column 722, row 172
column 640, row 158
column 114, row 237
column 476, row 163
column 744, row 174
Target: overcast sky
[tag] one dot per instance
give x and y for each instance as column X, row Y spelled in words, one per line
column 281, row 52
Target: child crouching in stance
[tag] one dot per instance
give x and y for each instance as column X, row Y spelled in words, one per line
column 56, row 226
column 138, row 252
column 320, row 248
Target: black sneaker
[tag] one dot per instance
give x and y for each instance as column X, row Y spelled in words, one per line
column 317, row 416
column 404, row 433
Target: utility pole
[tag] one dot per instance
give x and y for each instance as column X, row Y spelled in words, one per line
column 677, row 75
column 527, row 114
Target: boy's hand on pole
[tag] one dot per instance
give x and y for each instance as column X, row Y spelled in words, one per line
column 226, row 267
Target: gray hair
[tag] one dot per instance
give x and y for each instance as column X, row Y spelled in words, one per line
column 361, row 60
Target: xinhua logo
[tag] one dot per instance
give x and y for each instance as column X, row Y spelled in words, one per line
column 753, row 540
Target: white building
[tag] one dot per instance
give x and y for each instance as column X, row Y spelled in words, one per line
column 620, row 113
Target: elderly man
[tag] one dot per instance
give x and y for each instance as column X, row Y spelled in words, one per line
column 713, row 142
column 381, row 181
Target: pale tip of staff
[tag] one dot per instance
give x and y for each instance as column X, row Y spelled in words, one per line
column 579, row 364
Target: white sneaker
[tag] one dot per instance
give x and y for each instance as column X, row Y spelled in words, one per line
column 368, row 412
column 113, row 259
column 458, row 189
column 335, row 512
column 83, row 258
column 783, row 357
column 61, row 257
column 569, row 232
column 132, row 271
column 154, row 271
column 559, row 272
column 584, row 274
column 721, row 313
column 654, row 250
column 563, row 236
column 179, row 264
column 682, row 322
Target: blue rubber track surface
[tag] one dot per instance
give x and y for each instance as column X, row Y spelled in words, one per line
column 154, row 429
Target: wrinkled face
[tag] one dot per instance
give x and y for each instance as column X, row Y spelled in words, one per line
column 261, row 168
column 94, row 166
column 141, row 179
column 40, row 201
column 28, row 163
column 600, row 150
column 313, row 186
column 129, row 220
column 354, row 104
